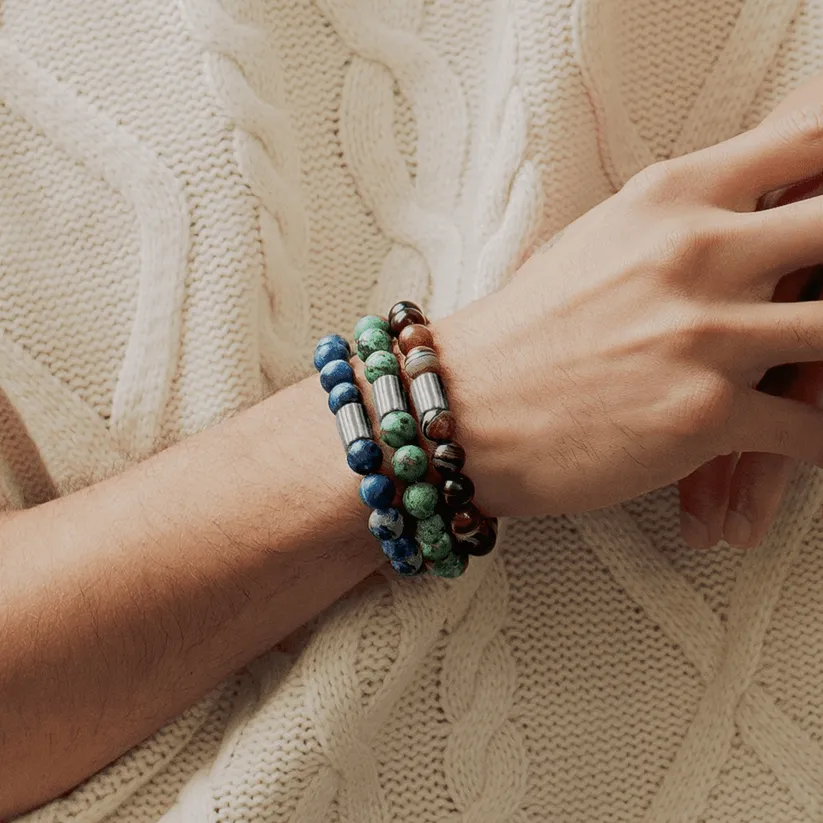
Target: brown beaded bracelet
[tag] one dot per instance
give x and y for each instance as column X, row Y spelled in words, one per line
column 475, row 534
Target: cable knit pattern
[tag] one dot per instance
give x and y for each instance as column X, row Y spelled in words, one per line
column 248, row 78
column 417, row 213
column 193, row 191
column 507, row 188
column 143, row 386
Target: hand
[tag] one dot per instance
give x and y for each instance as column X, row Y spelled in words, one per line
column 624, row 357
column 736, row 497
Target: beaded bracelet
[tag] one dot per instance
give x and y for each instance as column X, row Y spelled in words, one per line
column 475, row 534
column 398, row 430
column 363, row 455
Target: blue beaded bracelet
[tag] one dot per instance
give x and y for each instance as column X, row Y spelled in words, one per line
column 363, row 455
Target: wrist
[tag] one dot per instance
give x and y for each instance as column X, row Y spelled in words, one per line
column 470, row 390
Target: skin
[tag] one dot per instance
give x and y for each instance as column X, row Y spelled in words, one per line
column 736, row 497
column 603, row 370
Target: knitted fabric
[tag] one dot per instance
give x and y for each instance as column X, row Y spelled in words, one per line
column 193, row 192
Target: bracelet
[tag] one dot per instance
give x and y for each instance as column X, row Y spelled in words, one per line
column 474, row 533
column 363, row 455
column 398, row 430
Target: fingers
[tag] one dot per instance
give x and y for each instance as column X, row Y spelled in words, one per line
column 754, row 497
column 780, row 240
column 760, row 480
column 773, row 155
column 770, row 334
column 778, row 425
column 703, row 500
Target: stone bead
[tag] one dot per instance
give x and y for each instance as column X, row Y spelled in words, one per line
column 430, row 529
column 458, row 491
column 449, row 458
column 409, row 463
column 370, row 321
column 405, row 313
column 420, row 500
column 377, row 491
column 373, row 340
column 438, row 425
column 439, row 549
column 331, row 348
column 481, row 541
column 451, row 566
column 466, row 521
column 397, row 429
column 421, row 360
column 400, row 548
column 342, row 394
column 414, row 336
column 364, row 456
column 386, row 524
column 409, row 568
column 334, row 373
column 380, row 363
column 334, row 338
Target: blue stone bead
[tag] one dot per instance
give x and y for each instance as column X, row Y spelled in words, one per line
column 400, row 548
column 364, row 456
column 409, row 568
column 377, row 491
column 386, row 524
column 342, row 394
column 334, row 348
column 334, row 338
column 335, row 373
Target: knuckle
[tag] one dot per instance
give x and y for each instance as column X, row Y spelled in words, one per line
column 660, row 181
column 805, row 123
column 705, row 407
column 685, row 243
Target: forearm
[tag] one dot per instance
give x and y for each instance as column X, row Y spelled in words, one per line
column 122, row 604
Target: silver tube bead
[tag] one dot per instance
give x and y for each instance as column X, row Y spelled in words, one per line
column 427, row 393
column 352, row 424
column 388, row 395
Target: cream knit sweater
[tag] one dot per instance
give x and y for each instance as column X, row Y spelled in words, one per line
column 192, row 192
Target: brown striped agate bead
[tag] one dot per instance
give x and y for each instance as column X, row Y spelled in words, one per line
column 449, row 458
column 421, row 360
column 466, row 521
column 438, row 425
column 481, row 541
column 414, row 336
column 405, row 313
column 458, row 491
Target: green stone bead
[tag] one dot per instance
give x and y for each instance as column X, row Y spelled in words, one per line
column 381, row 363
column 420, row 500
column 373, row 340
column 398, row 428
column 451, row 566
column 431, row 529
column 440, row 549
column 409, row 463
column 370, row 321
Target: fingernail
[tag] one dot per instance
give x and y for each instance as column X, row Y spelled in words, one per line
column 694, row 531
column 737, row 530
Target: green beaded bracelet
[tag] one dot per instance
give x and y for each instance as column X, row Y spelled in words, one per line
column 398, row 429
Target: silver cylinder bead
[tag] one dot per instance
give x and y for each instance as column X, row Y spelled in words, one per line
column 427, row 393
column 388, row 395
column 352, row 424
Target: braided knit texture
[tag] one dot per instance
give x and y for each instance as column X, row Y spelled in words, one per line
column 195, row 191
